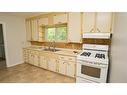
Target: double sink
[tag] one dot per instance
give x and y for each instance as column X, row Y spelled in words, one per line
column 52, row 50
column 46, row 49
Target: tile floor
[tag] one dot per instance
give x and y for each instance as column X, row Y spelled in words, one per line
column 26, row 73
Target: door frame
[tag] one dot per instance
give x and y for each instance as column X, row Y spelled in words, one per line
column 5, row 42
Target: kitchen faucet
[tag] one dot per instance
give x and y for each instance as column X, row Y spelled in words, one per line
column 52, row 44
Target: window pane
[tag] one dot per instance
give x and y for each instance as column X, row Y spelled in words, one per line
column 61, row 33
column 51, row 34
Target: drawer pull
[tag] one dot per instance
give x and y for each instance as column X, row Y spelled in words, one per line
column 70, row 58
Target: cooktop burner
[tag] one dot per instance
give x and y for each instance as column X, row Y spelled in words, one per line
column 102, row 56
column 86, row 54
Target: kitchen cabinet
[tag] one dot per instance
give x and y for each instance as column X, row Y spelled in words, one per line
column 103, row 22
column 74, row 27
column 28, row 30
column 43, row 21
column 62, row 64
column 26, row 55
column 31, row 57
column 62, row 67
column 36, row 58
column 67, row 65
column 70, row 69
column 97, row 22
column 52, row 64
column 34, row 29
column 43, row 61
column 88, row 22
column 60, row 18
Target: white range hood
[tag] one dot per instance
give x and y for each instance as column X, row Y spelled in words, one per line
column 97, row 35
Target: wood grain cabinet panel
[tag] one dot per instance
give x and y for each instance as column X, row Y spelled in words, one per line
column 97, row 22
column 60, row 18
column 88, row 24
column 74, row 27
column 28, row 30
column 71, row 69
column 34, row 29
column 43, row 61
column 62, row 67
column 103, row 22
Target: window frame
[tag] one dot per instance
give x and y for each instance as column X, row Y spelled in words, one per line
column 55, row 26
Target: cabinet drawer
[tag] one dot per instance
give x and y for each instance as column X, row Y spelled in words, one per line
column 68, row 58
column 61, row 57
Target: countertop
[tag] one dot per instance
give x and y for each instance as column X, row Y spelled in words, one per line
column 62, row 51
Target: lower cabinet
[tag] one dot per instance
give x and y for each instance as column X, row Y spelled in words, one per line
column 36, row 60
column 26, row 55
column 43, row 61
column 54, row 62
column 67, row 67
column 62, row 67
column 33, row 57
column 70, row 69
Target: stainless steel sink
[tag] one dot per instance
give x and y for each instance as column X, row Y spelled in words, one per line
column 53, row 50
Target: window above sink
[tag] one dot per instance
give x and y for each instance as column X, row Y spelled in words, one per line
column 57, row 33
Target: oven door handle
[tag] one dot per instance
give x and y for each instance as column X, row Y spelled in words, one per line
column 92, row 65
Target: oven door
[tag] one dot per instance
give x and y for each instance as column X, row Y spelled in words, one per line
column 92, row 71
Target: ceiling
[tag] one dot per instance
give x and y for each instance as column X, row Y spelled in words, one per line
column 25, row 14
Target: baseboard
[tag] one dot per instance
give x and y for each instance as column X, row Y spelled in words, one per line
column 11, row 65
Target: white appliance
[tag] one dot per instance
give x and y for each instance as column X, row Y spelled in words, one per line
column 92, row 64
column 97, row 35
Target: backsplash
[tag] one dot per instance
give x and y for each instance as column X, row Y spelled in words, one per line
column 59, row 45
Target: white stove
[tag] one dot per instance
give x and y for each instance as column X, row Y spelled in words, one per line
column 92, row 63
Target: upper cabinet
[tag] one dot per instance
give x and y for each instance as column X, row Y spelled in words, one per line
column 60, row 18
column 28, row 30
column 43, row 21
column 104, row 22
column 97, row 22
column 88, row 22
column 77, row 23
column 74, row 27
column 34, row 29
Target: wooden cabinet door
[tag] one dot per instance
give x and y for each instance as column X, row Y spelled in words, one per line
column 28, row 30
column 43, row 62
column 52, row 64
column 43, row 21
column 26, row 55
column 74, row 27
column 103, row 22
column 60, row 18
column 36, row 60
column 31, row 57
column 88, row 24
column 62, row 67
column 71, row 71
column 34, row 27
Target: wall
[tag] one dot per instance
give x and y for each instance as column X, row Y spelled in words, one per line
column 15, row 38
column 118, row 72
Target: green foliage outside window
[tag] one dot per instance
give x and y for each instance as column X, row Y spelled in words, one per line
column 57, row 33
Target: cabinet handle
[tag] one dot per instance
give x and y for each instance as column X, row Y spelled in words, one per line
column 98, row 30
column 91, row 30
column 64, row 62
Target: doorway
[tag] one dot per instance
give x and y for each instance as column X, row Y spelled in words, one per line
column 2, row 49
